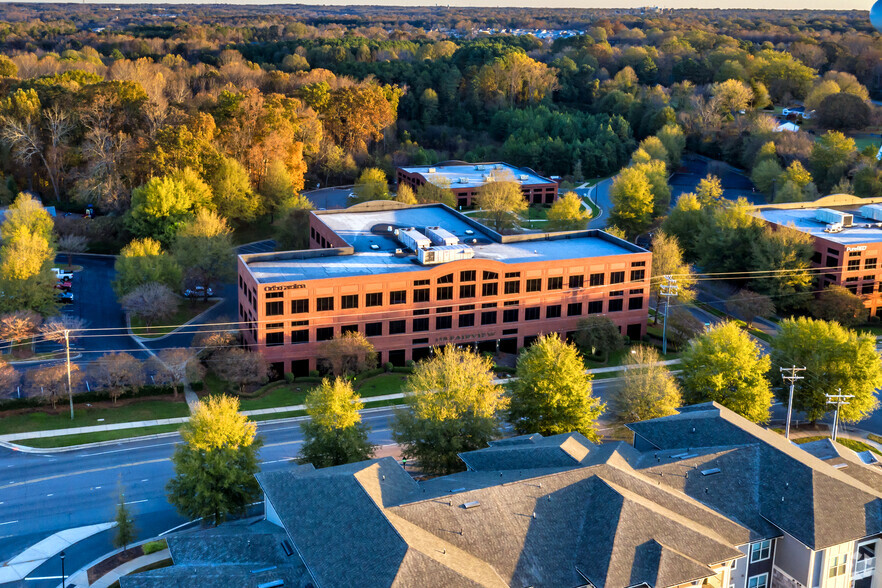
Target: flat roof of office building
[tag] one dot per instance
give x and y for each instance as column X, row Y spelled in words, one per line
column 473, row 175
column 374, row 246
column 804, row 220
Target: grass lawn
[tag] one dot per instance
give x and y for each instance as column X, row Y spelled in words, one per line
column 186, row 311
column 595, row 210
column 84, row 416
column 874, row 330
column 850, row 443
column 82, row 439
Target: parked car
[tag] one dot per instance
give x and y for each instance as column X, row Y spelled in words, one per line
column 64, row 285
column 64, row 297
column 62, row 274
column 197, row 292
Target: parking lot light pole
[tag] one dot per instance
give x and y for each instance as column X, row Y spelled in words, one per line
column 67, row 353
column 62, row 568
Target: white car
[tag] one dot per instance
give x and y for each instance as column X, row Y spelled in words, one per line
column 61, row 274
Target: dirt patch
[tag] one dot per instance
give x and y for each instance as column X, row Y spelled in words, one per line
column 113, row 562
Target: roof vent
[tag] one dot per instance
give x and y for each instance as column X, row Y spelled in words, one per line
column 286, row 546
column 839, row 466
column 458, row 490
column 469, row 232
column 375, row 247
column 261, row 570
column 710, row 472
column 479, row 168
column 432, row 170
column 272, row 584
column 523, row 177
column 473, row 504
column 463, row 180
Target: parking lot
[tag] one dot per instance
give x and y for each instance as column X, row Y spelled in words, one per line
column 695, row 168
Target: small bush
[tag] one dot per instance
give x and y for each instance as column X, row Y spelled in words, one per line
column 314, row 374
column 403, row 370
column 154, row 546
column 388, row 366
column 289, row 377
column 410, row 363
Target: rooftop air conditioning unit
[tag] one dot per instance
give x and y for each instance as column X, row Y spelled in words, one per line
column 479, row 168
column 871, row 211
column 523, row 177
column 829, row 216
column 833, row 228
column 463, row 180
column 432, row 170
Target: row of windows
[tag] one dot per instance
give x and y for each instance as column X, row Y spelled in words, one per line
column 855, row 264
column 487, row 317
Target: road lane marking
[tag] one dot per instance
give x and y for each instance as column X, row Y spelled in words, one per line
column 277, row 460
column 91, row 471
column 269, row 445
column 127, row 449
column 8, row 523
column 136, row 501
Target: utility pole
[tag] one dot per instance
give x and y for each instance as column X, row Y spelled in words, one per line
column 67, row 353
column 838, row 400
column 668, row 289
column 791, row 379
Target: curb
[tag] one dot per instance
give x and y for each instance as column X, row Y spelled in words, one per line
column 143, row 340
column 85, row 569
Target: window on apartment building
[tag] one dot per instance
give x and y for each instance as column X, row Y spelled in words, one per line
column 489, row 289
column 555, row 283
column 534, row 285
column 490, row 276
column 510, row 315
column 635, row 303
column 349, row 301
column 373, row 329
column 448, row 279
column 838, row 565
column 276, row 307
column 421, row 295
column 512, row 275
column 868, row 288
column 852, row 288
column 577, row 281
column 398, row 297
column 443, row 322
column 595, row 307
column 299, row 306
column 445, row 293
column 616, row 277
column 574, row 309
column 552, row 311
column 324, row 304
column 760, row 581
column 854, row 265
column 275, row 338
column 761, row 550
column 300, row 336
column 531, row 314
column 373, row 299
column 637, row 275
column 420, row 324
column 467, row 291
column 324, row 333
column 512, row 287
column 616, row 305
column 274, row 295
column 397, row 327
column 595, row 280
column 870, row 263
column 467, row 276
column 488, row 317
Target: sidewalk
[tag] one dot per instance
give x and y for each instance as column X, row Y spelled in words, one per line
column 10, row 438
column 36, row 555
column 81, row 578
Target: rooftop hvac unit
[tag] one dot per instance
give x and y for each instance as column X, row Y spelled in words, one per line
column 463, row 180
column 432, row 170
column 833, row 228
column 444, row 254
column 479, row 168
column 441, row 236
column 523, row 177
column 873, row 211
column 830, row 216
column 486, row 177
column 413, row 239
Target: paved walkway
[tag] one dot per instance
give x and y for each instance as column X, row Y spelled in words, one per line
column 33, row 557
column 81, row 578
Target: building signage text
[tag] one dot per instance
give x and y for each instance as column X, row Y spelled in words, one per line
column 857, row 248
column 284, row 287
column 468, row 337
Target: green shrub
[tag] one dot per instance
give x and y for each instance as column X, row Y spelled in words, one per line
column 289, row 377
column 388, row 366
column 314, row 374
column 403, row 370
column 154, row 546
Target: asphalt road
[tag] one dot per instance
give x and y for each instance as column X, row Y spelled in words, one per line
column 329, row 198
column 43, row 494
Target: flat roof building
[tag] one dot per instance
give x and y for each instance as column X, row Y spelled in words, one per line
column 412, row 278
column 465, row 179
column 846, row 235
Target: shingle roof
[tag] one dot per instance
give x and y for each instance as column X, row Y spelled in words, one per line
column 793, row 487
column 533, row 451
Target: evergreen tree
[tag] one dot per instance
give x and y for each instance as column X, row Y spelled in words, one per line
column 125, row 525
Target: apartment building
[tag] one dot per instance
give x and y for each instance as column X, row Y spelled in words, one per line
column 702, row 498
column 413, row 278
column 465, row 179
column 846, row 234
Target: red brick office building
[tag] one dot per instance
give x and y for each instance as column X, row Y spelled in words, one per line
column 846, row 235
column 465, row 179
column 412, row 278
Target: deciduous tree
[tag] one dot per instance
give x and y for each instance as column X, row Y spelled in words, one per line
column 216, row 463
column 71, row 244
column 631, row 195
column 647, row 390
column 667, row 259
column 125, row 531
column 452, row 407
column 405, row 195
column 233, row 195
column 552, row 392
column 832, row 155
column 334, row 434
column 141, row 262
column 503, row 202
column 150, row 302
column 240, row 367
column 371, row 185
column 436, row 191
column 674, row 140
column 837, row 361
column 599, row 336
column 203, row 247
column 9, row 379
column 748, row 305
column 724, row 365
column 567, row 214
column 176, row 366
column 116, row 373
column 50, row 382
column 836, row 303
column 348, row 354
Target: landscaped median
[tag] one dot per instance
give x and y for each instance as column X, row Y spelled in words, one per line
column 93, row 423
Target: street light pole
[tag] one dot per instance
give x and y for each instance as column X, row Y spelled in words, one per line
column 792, row 379
column 62, row 569
column 67, row 353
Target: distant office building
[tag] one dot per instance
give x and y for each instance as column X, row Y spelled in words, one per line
column 411, row 278
column 847, row 239
column 465, row 179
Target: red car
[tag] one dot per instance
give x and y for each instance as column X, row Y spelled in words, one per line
column 64, row 285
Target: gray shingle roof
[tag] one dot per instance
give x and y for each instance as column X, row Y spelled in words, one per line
column 793, row 487
column 531, row 451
